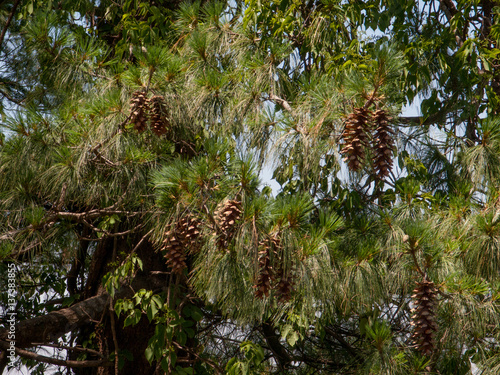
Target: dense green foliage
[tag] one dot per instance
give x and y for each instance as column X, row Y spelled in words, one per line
column 135, row 136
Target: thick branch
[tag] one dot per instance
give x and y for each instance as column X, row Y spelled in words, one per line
column 273, row 340
column 50, row 327
column 3, row 360
column 450, row 10
column 343, row 343
column 11, row 15
column 54, row 361
column 420, row 120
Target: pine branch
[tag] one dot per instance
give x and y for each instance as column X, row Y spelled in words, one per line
column 10, row 98
column 108, row 234
column 80, row 217
column 352, row 351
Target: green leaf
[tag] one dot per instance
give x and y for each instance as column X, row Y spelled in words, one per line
column 133, row 318
column 164, row 364
column 286, row 329
column 292, row 338
column 181, row 338
column 151, row 311
column 149, row 354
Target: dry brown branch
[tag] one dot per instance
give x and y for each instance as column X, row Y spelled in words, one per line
column 281, row 102
column 72, row 348
column 54, row 361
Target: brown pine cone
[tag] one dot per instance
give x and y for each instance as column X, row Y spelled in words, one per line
column 356, row 138
column 383, row 144
column 226, row 217
column 139, row 116
column 184, row 237
column 173, row 247
column 424, row 316
column 158, row 115
column 189, row 229
column 268, row 255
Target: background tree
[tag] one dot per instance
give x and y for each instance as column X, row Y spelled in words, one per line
column 144, row 242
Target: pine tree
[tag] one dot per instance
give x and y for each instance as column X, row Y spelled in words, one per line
column 134, row 139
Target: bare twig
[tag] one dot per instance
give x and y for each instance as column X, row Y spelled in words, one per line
column 72, row 348
column 113, row 332
column 206, row 360
column 104, row 159
column 109, row 234
column 76, row 216
column 137, row 246
column 54, row 361
column 281, row 102
column 116, row 132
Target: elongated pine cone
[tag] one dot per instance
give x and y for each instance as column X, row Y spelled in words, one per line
column 356, row 138
column 285, row 285
column 158, row 115
column 424, row 316
column 189, row 229
column 174, row 251
column 139, row 116
column 285, row 288
column 226, row 217
column 267, row 250
column 383, row 144
column 179, row 241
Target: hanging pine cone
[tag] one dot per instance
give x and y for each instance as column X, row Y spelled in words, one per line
column 226, row 217
column 285, row 288
column 267, row 249
column 158, row 115
column 383, row 144
column 181, row 239
column 189, row 230
column 173, row 247
column 285, row 285
column 138, row 116
column 355, row 136
column 424, row 316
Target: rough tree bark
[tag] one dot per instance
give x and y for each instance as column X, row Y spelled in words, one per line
column 81, row 318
